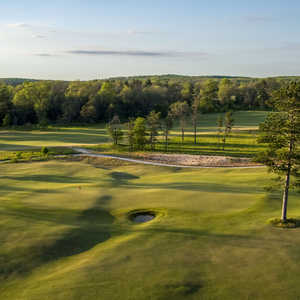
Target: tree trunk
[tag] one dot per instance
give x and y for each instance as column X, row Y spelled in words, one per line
column 195, row 134
column 151, row 141
column 182, row 134
column 287, row 183
column 115, row 136
column 166, row 140
column 285, row 195
column 224, row 141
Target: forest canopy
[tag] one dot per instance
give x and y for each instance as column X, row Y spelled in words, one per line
column 43, row 102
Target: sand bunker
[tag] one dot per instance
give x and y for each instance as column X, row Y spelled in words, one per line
column 142, row 217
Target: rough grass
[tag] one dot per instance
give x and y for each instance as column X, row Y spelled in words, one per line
column 33, row 155
column 65, row 234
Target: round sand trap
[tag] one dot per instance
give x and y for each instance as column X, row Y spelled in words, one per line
column 142, row 217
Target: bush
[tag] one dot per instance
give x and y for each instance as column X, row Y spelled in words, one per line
column 44, row 151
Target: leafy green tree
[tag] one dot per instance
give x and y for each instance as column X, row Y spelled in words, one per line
column 139, row 133
column 153, row 122
column 281, row 132
column 5, row 101
column 88, row 111
column 167, row 125
column 226, row 94
column 108, row 97
column 187, row 92
column 114, row 129
column 180, row 110
column 228, row 124
column 80, row 102
column 130, row 133
column 24, row 104
column 7, row 120
column 209, row 96
column 44, row 151
column 220, row 127
column 195, row 117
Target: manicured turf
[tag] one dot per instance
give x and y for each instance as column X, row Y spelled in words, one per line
column 52, row 137
column 65, row 234
column 241, row 143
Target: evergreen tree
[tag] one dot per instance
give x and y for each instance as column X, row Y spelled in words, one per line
column 281, row 132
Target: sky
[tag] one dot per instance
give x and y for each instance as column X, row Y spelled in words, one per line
column 94, row 39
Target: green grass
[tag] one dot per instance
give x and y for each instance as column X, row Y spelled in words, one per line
column 65, row 233
column 11, row 140
column 238, row 143
column 241, row 143
column 34, row 154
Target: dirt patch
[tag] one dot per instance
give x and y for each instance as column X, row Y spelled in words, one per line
column 197, row 160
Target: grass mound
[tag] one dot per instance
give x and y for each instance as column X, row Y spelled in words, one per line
column 289, row 223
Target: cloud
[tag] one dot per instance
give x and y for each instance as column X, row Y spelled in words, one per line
column 45, row 55
column 135, row 53
column 38, row 36
column 117, row 53
column 19, row 25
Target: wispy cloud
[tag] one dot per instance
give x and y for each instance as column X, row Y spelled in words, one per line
column 38, row 36
column 118, row 53
column 135, row 53
column 19, row 25
column 45, row 55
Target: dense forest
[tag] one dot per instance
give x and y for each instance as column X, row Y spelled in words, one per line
column 44, row 102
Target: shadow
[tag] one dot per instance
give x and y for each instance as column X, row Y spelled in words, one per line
column 201, row 187
column 89, row 228
column 49, row 178
column 121, row 178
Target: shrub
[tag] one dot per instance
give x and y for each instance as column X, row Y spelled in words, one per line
column 44, row 151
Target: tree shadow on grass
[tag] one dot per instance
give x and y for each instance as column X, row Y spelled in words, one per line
column 91, row 227
column 198, row 187
column 121, row 178
column 49, row 178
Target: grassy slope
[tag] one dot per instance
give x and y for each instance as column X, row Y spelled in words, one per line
column 56, row 136
column 241, row 143
column 64, row 234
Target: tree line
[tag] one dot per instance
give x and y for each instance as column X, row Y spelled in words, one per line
column 95, row 101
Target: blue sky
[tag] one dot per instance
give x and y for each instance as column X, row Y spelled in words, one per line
column 97, row 39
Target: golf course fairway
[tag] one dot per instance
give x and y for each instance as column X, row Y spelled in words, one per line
column 66, row 233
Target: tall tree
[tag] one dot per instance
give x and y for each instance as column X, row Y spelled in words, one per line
column 228, row 124
column 187, row 92
column 153, row 122
column 195, row 116
column 167, row 125
column 209, row 96
column 5, row 103
column 281, row 132
column 139, row 133
column 114, row 129
column 180, row 110
column 130, row 133
column 226, row 94
column 220, row 128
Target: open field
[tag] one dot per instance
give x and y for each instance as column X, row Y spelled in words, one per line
column 242, row 142
column 65, row 233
